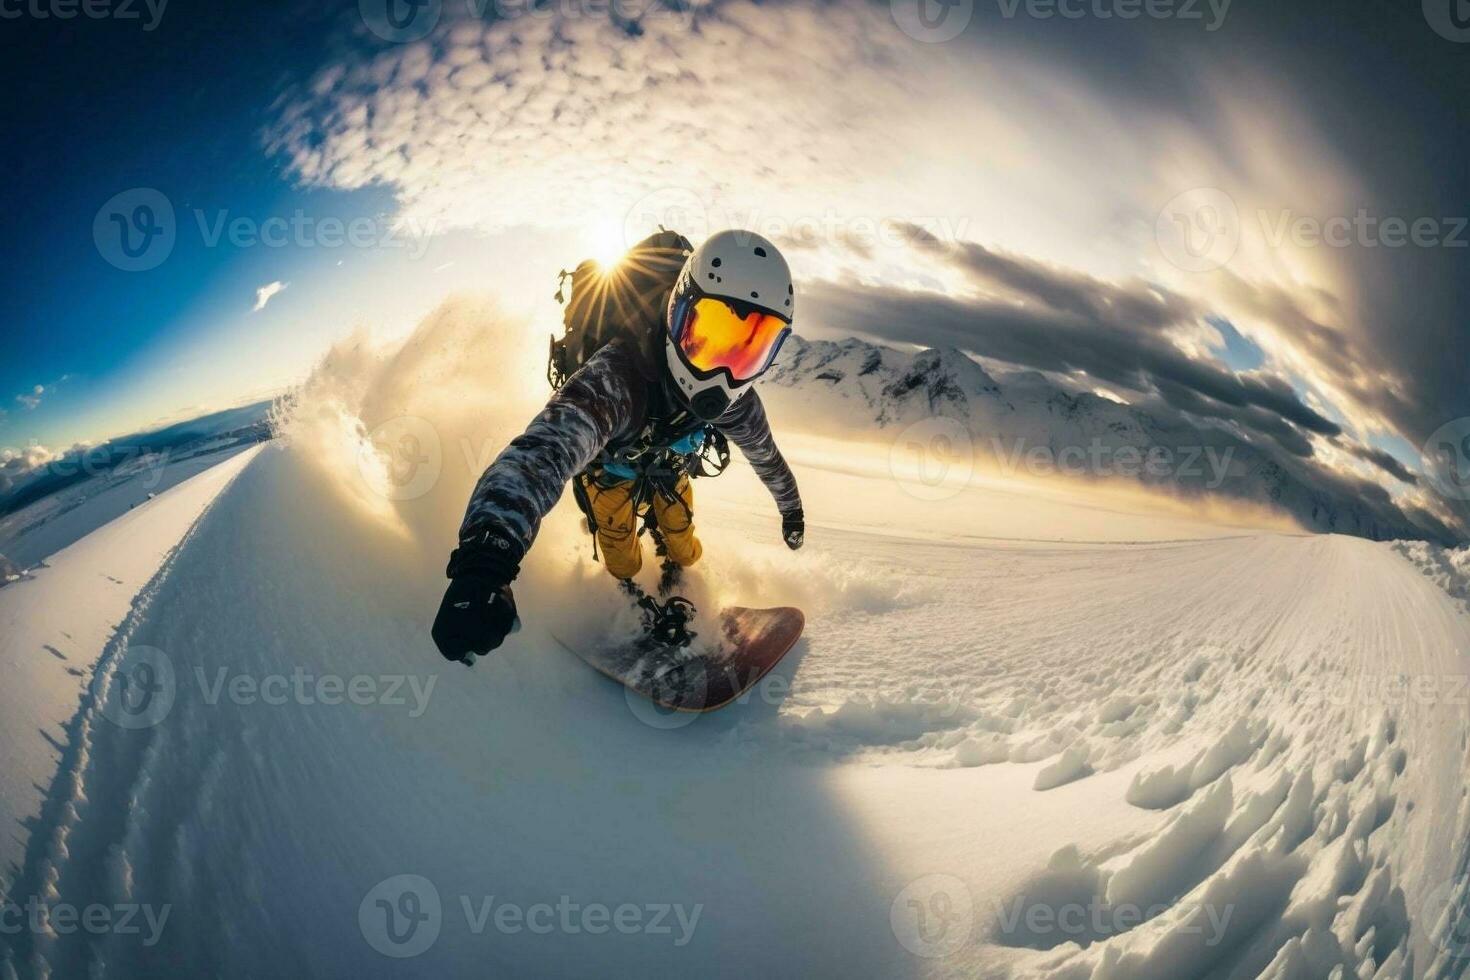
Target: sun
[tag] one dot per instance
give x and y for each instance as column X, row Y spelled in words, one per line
column 607, row 242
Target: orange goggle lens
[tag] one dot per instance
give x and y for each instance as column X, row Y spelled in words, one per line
column 715, row 336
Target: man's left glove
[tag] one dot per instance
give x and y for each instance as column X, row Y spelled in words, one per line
column 477, row 614
column 793, row 529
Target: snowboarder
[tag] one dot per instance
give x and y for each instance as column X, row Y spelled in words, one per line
column 631, row 422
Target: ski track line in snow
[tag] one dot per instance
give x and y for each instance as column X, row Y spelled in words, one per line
column 67, row 800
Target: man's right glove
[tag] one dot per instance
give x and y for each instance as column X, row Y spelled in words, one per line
column 793, row 529
column 477, row 614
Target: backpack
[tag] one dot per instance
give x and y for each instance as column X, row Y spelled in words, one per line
column 628, row 300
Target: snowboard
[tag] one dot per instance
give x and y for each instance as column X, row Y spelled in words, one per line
column 704, row 676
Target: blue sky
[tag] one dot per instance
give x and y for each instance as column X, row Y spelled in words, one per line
column 177, row 109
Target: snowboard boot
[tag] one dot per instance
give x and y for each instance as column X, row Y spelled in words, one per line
column 670, row 574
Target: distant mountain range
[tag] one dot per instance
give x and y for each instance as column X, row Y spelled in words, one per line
column 1034, row 424
column 207, row 433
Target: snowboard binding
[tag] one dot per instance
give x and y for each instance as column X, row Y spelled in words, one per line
column 667, row 623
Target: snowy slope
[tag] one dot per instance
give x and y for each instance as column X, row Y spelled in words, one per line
column 53, row 627
column 1025, row 735
column 1213, row 733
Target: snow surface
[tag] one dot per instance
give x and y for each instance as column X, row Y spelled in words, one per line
column 53, row 628
column 1156, row 748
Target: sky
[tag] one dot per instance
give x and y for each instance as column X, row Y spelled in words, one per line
column 1239, row 214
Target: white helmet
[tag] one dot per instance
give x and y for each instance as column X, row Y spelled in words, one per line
column 729, row 313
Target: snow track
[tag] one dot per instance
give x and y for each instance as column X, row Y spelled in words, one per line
column 1235, row 757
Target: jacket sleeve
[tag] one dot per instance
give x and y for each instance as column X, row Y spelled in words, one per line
column 745, row 425
column 527, row 478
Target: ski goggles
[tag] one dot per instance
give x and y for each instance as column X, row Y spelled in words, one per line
column 713, row 335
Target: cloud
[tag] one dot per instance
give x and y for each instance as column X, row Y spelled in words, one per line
column 266, row 293
column 567, row 122
column 32, row 399
column 18, row 466
column 1386, row 462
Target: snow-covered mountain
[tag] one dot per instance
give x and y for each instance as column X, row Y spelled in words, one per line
column 1026, row 423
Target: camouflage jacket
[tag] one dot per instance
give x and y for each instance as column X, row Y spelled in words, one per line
column 607, row 401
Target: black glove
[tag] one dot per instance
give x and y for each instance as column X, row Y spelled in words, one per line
column 477, row 614
column 793, row 529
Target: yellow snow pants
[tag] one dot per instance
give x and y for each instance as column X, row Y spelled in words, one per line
column 617, row 525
